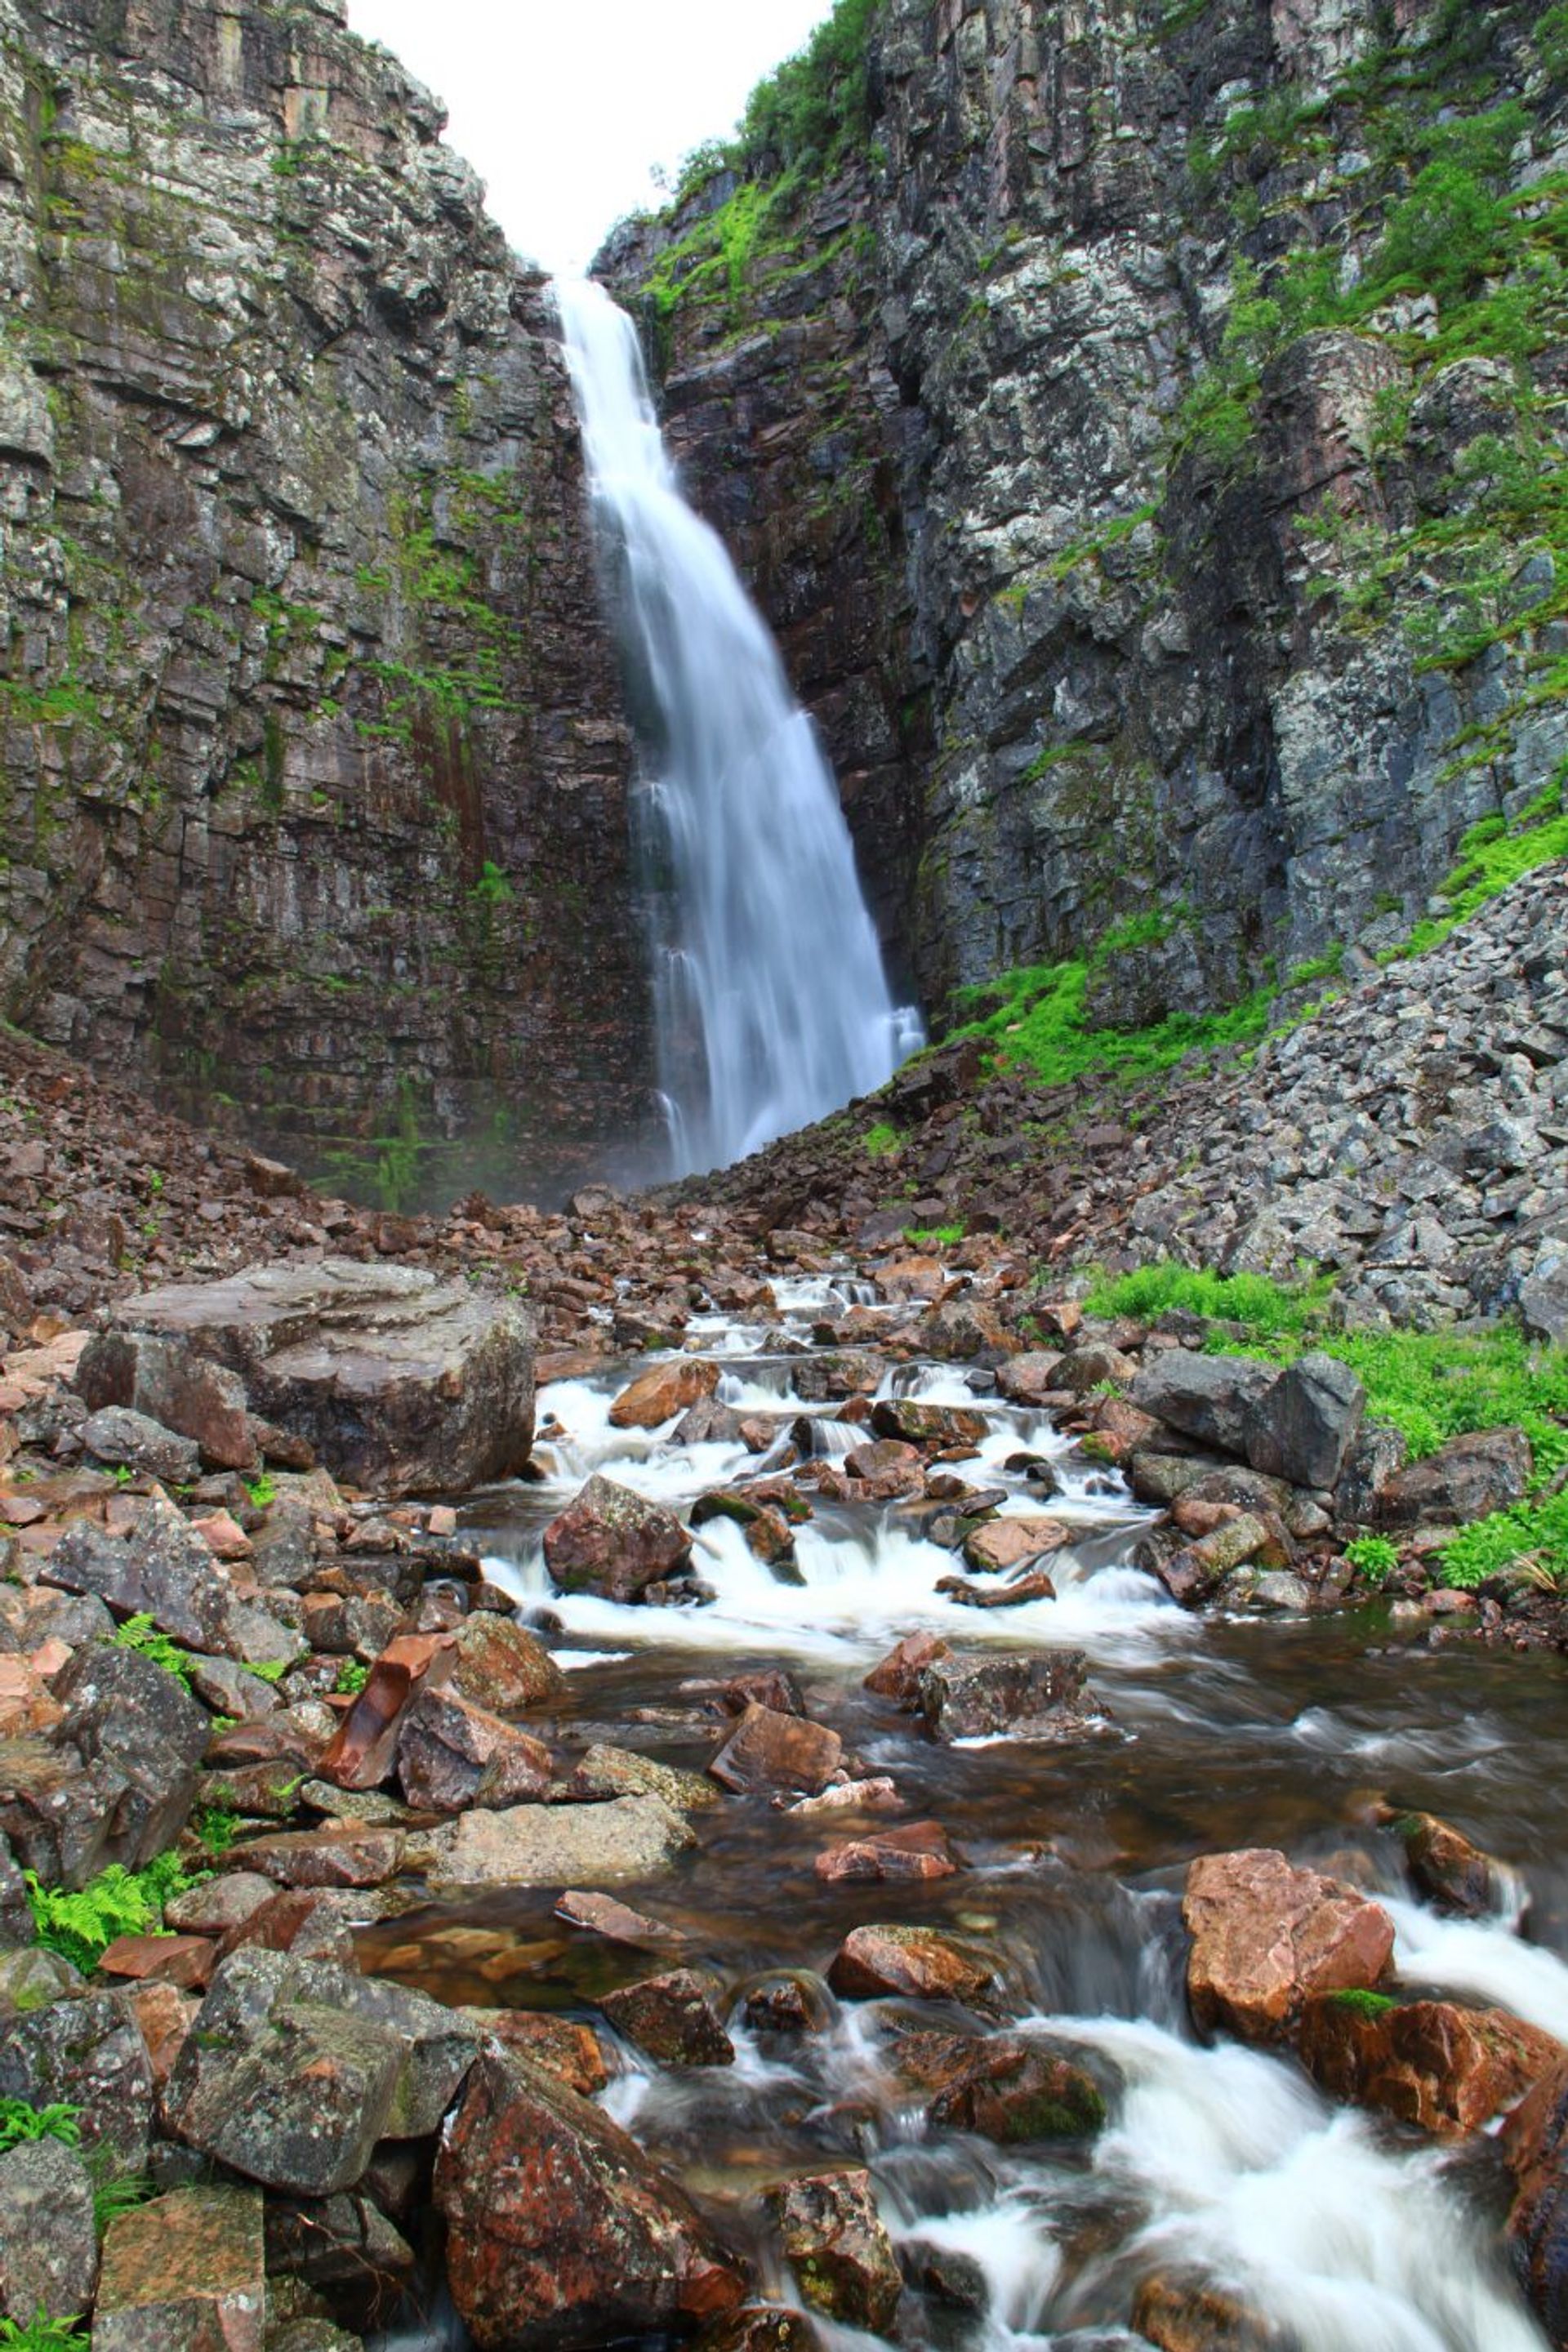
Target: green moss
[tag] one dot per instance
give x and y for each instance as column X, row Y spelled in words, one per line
column 1362, row 2003
column 937, row 1237
column 1492, row 857
column 882, row 1141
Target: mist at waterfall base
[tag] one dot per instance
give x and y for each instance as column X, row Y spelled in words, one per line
column 771, row 1004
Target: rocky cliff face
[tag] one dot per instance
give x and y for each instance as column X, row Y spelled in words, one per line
column 311, row 773
column 1142, row 429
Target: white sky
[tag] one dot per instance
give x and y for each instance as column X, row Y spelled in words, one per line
column 563, row 110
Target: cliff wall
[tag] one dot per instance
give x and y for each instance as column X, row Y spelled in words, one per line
column 312, row 776
column 1142, row 422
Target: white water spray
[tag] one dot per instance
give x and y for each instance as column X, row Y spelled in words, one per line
column 771, row 1004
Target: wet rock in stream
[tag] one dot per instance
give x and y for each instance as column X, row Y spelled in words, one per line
column 612, row 1543
column 836, row 2243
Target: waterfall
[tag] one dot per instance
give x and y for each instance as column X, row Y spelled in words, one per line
column 771, row 1004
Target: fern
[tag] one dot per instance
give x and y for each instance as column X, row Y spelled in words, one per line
column 43, row 2335
column 141, row 1634
column 82, row 1926
column 19, row 2122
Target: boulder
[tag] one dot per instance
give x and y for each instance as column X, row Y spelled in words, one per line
column 896, row 1676
column 1448, row 1870
column 835, row 2242
column 1448, row 2069
column 605, row 1771
column 1013, row 1542
column 451, row 1754
column 349, row 1854
column 656, row 1395
column 1535, row 2144
column 1023, row 1695
column 931, row 1427
column 672, row 2019
column 1267, row 1936
column 917, row 1850
column 1028, row 1380
column 164, row 1571
column 1211, row 1398
column 295, row 2068
column 56, row 1812
column 1183, row 2315
column 362, row 1755
column 501, row 1666
column 563, row 2235
column 571, row 2051
column 557, row 1845
column 85, row 2052
column 1303, row 1427
column 130, row 1714
column 48, row 2244
column 1008, row 2087
column 918, row 1964
column 132, row 1441
column 1465, row 1480
column 186, row 2273
column 612, row 1543
column 399, row 1381
column 769, row 1750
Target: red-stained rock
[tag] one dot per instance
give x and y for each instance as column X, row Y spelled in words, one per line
column 1265, row 1936
column 919, row 1963
column 451, row 1753
column 164, row 2015
column 1007, row 2087
column 501, row 1666
column 656, row 1395
column 362, row 1755
column 768, row 1750
column 672, row 2018
column 614, row 1543
column 1535, row 2144
column 836, row 2242
column 563, row 2235
column 348, row 1856
column 1006, row 1543
column 897, row 1677
column 617, row 1923
column 572, row 2053
column 1188, row 2316
column 185, row 1962
column 1447, row 1868
column 1447, row 2069
column 920, row 1850
column 184, row 2274
column 301, row 1920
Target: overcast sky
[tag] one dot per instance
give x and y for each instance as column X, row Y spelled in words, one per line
column 563, row 110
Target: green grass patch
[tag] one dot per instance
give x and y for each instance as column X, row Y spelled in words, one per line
column 1267, row 1307
column 1040, row 1021
column 21, row 2123
column 937, row 1237
column 1491, row 858
column 1533, row 1536
column 881, row 1142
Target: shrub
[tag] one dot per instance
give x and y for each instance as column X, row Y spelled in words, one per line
column 1249, row 1298
column 1373, row 1558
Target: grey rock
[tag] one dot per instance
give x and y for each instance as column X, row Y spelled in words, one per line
column 1211, row 1398
column 118, row 1436
column 86, row 2052
column 1302, row 1427
column 558, row 1845
column 126, row 1712
column 1465, row 1480
column 1026, row 1695
column 49, row 2243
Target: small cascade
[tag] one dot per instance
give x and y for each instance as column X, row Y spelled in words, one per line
column 771, row 1005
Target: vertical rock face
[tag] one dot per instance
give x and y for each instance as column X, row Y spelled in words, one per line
column 1133, row 567
column 311, row 768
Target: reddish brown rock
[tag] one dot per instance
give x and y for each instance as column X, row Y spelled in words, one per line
column 185, row 1962
column 1267, row 1936
column 760, row 2328
column 920, row 1850
column 1187, row 2316
column 617, row 1923
column 1447, row 1868
column 838, row 2249
column 349, row 1856
column 1008, row 2087
column 612, row 1543
column 897, row 1676
column 563, row 2236
column 185, row 2272
column 944, row 1428
column 301, row 1920
column 769, row 1750
column 1033, row 1585
column 362, row 1755
column 451, row 1753
column 1015, row 1695
column 164, row 2015
column 656, row 1395
column 569, row 2051
column 919, row 1963
column 501, row 1666
column 886, row 1469
column 1535, row 2144
column 1029, row 1379
column 1445, row 2069
column 672, row 2018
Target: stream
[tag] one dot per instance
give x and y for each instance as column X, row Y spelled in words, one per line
column 1351, row 2233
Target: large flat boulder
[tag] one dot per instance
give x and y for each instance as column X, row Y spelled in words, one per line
column 401, row 1382
column 557, row 1845
column 186, row 2273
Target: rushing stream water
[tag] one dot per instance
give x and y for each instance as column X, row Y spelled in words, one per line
column 771, row 1005
column 1349, row 2232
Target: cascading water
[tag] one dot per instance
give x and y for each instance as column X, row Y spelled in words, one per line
column 771, row 1004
